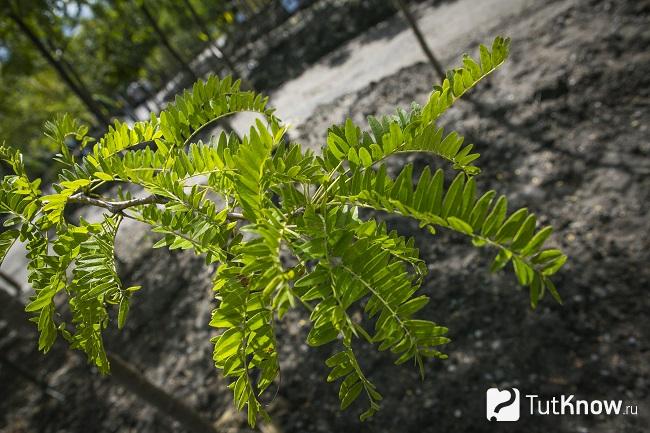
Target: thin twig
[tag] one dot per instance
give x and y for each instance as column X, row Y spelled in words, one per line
column 26, row 374
column 119, row 206
column 115, row 206
column 412, row 21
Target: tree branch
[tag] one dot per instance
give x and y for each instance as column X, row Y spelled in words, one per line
column 114, row 206
column 119, row 206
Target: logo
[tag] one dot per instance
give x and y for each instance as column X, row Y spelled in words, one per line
column 502, row 405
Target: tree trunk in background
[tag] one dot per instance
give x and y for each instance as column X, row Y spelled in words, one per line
column 135, row 382
column 81, row 93
column 52, row 47
column 204, row 28
column 401, row 4
column 80, row 82
column 151, row 99
column 127, row 108
column 12, row 282
column 75, row 75
column 13, row 311
column 163, row 40
column 122, row 374
column 28, row 376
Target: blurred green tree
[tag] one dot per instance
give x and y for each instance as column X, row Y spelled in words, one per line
column 96, row 59
column 39, row 21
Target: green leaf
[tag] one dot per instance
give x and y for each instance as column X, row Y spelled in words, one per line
column 500, row 260
column 123, row 311
column 337, row 359
column 352, row 156
column 409, row 308
column 537, row 241
column 554, row 265
column 103, row 176
column 511, row 226
column 535, row 287
column 351, row 133
column 7, row 239
column 460, row 225
column 340, row 371
column 523, row 272
column 333, row 146
column 323, row 335
column 351, row 394
column 365, row 157
column 524, row 234
column 377, row 129
column 546, row 256
column 227, row 345
column 495, row 217
column 551, row 287
column 486, row 59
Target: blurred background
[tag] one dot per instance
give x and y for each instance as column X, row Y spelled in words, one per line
column 562, row 129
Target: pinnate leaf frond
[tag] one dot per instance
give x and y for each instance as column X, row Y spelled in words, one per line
column 284, row 227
